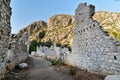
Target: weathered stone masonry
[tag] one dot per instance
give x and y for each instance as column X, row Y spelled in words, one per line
column 92, row 48
column 5, row 29
column 13, row 49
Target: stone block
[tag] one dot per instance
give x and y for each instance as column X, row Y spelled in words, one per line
column 112, row 77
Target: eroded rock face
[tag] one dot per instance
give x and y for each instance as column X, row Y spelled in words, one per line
column 14, row 48
column 92, row 48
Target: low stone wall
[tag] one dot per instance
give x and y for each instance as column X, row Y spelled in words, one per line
column 52, row 52
column 16, row 52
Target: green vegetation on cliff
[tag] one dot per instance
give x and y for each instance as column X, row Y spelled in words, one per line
column 110, row 21
column 61, row 27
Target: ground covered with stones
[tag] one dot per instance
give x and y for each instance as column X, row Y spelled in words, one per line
column 41, row 69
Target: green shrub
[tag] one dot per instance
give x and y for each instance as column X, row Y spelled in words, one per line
column 57, row 62
column 72, row 70
column 34, row 43
column 32, row 48
column 48, row 43
column 41, row 35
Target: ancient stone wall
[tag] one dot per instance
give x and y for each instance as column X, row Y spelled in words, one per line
column 92, row 48
column 52, row 52
column 5, row 29
column 11, row 49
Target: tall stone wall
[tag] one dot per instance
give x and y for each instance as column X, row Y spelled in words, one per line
column 92, row 48
column 12, row 50
column 5, row 29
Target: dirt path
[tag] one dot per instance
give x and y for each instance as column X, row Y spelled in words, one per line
column 41, row 69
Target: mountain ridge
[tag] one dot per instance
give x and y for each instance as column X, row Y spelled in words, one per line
column 61, row 27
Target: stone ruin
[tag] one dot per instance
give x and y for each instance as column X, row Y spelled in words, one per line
column 13, row 48
column 92, row 48
column 53, row 52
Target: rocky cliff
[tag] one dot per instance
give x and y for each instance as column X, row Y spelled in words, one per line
column 58, row 26
column 110, row 21
column 62, row 26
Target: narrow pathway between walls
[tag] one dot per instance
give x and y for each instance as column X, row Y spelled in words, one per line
column 41, row 69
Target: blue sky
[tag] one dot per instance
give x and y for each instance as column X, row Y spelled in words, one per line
column 25, row 12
